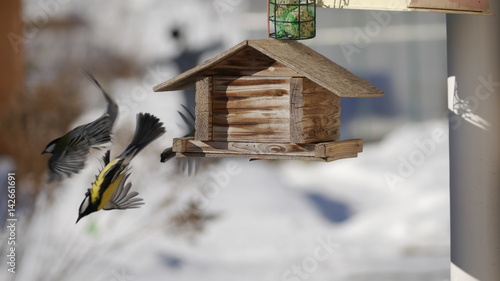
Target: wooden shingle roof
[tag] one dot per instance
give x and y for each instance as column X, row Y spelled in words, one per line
column 292, row 54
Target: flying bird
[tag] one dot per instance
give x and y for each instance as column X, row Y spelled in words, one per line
column 168, row 153
column 109, row 190
column 187, row 165
column 70, row 151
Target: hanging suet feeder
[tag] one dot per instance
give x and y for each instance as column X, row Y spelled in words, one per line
column 292, row 19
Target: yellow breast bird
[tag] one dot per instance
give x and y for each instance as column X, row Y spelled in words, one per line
column 109, row 190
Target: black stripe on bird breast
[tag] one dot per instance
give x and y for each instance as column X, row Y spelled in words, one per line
column 110, row 176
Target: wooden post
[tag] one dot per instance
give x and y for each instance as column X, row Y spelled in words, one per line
column 203, row 121
column 448, row 6
column 474, row 61
column 11, row 50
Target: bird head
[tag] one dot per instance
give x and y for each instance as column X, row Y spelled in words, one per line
column 51, row 146
column 87, row 207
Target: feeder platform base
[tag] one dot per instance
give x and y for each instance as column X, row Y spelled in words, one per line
column 324, row 151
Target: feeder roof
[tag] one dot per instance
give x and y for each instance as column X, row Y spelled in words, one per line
column 294, row 55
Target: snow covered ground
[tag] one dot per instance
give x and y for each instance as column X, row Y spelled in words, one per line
column 286, row 220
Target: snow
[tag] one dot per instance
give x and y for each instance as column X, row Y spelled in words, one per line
column 381, row 216
column 269, row 221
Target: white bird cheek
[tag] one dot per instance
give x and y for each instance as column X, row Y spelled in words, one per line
column 85, row 204
column 50, row 148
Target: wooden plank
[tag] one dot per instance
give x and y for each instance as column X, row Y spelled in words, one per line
column 257, row 91
column 398, row 5
column 250, row 93
column 250, row 62
column 464, row 5
column 341, row 156
column 315, row 113
column 328, row 109
column 336, row 148
column 203, row 120
column 250, row 86
column 261, row 103
column 250, row 113
column 320, row 129
column 251, row 156
column 293, row 58
column 316, row 67
column 449, row 6
column 251, row 109
column 12, row 52
column 188, row 147
column 252, row 132
column 296, row 110
column 248, row 116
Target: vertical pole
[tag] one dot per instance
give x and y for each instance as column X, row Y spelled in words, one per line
column 474, row 61
column 11, row 51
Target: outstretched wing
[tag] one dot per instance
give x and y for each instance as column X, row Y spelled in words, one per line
column 112, row 110
column 70, row 161
column 188, row 166
column 122, row 199
column 98, row 132
column 188, row 119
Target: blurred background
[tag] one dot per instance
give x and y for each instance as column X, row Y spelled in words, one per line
column 381, row 216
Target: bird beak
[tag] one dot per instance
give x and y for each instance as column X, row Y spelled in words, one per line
column 43, row 152
column 78, row 219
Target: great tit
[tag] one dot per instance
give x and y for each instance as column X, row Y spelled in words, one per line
column 70, row 151
column 168, row 153
column 107, row 190
column 187, row 165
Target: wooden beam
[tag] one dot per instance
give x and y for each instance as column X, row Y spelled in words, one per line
column 203, row 120
column 464, row 5
column 443, row 6
column 11, row 51
column 296, row 110
column 251, row 109
column 321, row 114
column 314, row 112
column 250, row 62
column 336, row 148
column 328, row 151
column 191, row 145
column 251, row 156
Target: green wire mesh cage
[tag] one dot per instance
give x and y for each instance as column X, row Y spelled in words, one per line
column 292, row 19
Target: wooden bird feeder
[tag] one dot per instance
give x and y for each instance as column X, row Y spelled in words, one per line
column 269, row 99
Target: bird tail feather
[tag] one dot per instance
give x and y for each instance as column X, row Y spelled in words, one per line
column 148, row 129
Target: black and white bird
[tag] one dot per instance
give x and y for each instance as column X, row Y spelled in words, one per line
column 70, row 151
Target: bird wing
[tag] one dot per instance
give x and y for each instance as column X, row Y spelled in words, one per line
column 189, row 120
column 188, row 166
column 112, row 110
column 70, row 161
column 98, row 132
column 123, row 199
